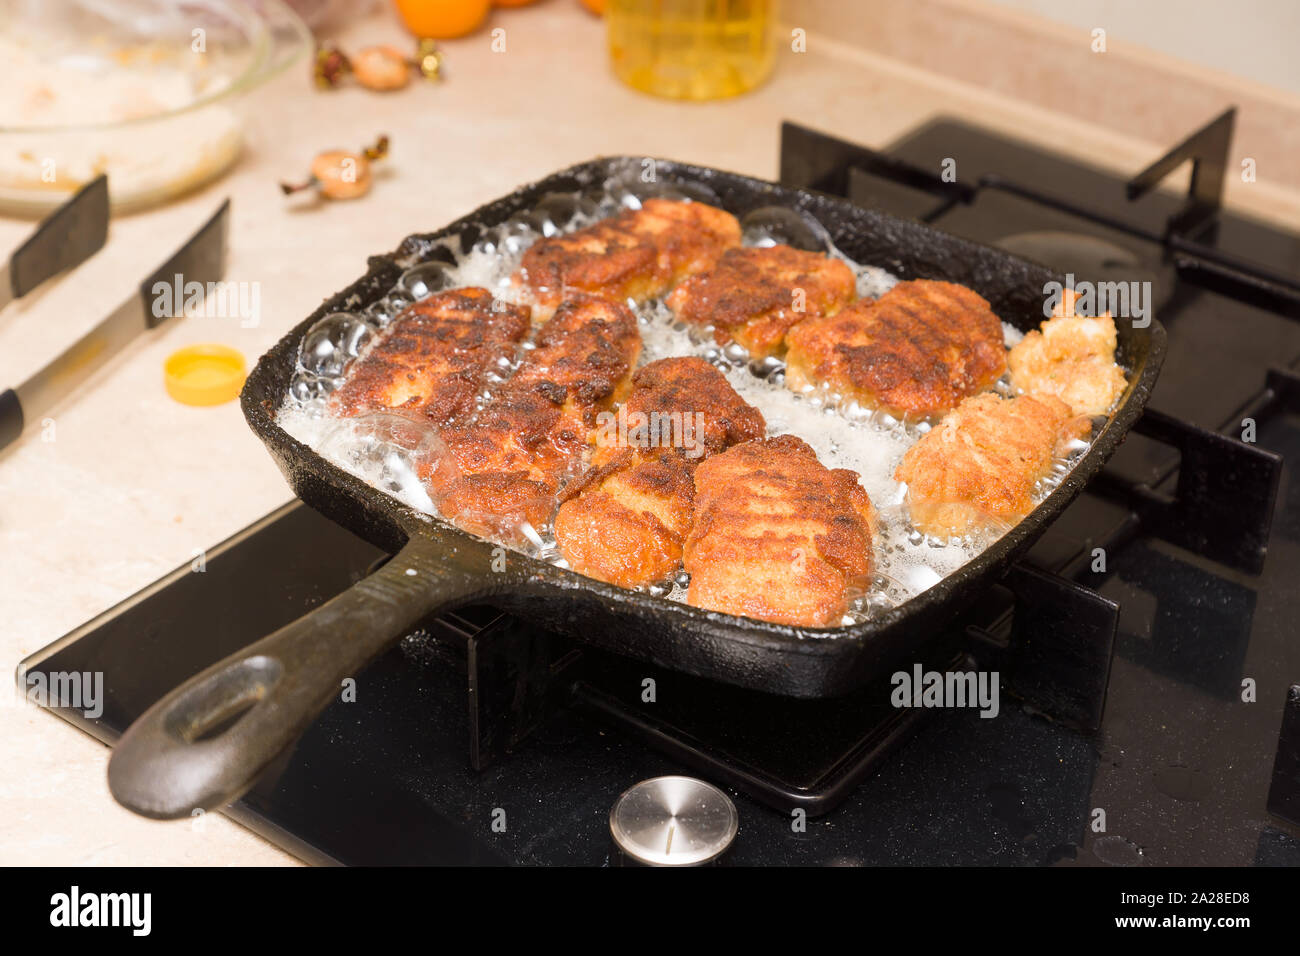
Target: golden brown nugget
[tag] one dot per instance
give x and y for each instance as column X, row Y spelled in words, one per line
column 507, row 464
column 918, row 350
column 755, row 296
column 977, row 468
column 626, row 520
column 680, row 402
column 433, row 360
column 637, row 254
column 1072, row 358
column 778, row 536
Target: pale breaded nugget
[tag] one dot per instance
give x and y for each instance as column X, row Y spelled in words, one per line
column 919, row 349
column 636, row 254
column 777, row 536
column 506, row 465
column 433, row 360
column 626, row 520
column 977, row 468
column 754, row 296
column 1072, row 358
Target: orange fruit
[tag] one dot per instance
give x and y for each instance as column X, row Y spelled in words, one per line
column 442, row 19
column 595, row 6
column 512, row 3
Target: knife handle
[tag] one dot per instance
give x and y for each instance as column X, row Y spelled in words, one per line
column 11, row 417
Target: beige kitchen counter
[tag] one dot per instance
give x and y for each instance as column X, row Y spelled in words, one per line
column 133, row 484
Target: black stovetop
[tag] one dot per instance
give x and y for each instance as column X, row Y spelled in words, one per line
column 1181, row 765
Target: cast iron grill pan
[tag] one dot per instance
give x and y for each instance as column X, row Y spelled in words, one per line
column 205, row 743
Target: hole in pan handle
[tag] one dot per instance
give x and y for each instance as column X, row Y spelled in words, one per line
column 205, row 743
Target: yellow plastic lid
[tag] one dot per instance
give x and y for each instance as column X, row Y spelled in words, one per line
column 204, row 374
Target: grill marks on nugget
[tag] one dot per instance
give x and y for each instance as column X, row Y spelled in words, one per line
column 636, row 254
column 434, row 358
column 752, row 295
column 919, row 349
column 777, row 535
column 505, row 466
column 685, row 389
column 977, row 468
column 628, row 519
column 625, row 522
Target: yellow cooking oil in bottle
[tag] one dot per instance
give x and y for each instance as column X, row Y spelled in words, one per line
column 691, row 49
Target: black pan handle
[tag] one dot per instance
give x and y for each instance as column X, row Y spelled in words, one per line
column 206, row 742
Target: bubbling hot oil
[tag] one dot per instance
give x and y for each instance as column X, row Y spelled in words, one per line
column 868, row 442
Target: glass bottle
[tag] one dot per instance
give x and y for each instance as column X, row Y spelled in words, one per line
column 691, row 49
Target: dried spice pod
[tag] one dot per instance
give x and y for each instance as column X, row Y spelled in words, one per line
column 428, row 60
column 339, row 174
column 382, row 68
column 329, row 67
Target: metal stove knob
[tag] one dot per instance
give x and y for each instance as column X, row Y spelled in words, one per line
column 672, row 821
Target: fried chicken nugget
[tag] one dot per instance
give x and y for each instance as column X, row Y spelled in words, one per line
column 433, row 360
column 681, row 402
column 626, row 520
column 977, row 468
column 1072, row 358
column 626, row 523
column 637, row 254
column 919, row 349
column 755, row 296
column 778, row 536
column 506, row 465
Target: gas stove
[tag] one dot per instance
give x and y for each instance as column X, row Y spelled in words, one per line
column 1144, row 645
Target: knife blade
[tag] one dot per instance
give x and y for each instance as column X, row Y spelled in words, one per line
column 202, row 259
column 65, row 238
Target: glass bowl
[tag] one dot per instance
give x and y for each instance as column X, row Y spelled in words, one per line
column 153, row 92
